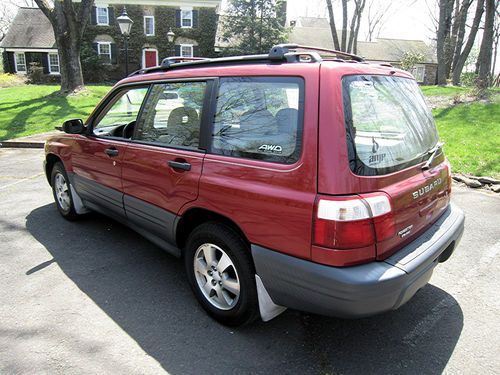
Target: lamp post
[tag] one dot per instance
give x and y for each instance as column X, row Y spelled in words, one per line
column 125, row 24
column 170, row 38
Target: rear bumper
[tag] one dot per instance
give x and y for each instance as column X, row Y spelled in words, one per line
column 364, row 290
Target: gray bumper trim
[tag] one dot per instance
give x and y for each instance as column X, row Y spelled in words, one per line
column 358, row 291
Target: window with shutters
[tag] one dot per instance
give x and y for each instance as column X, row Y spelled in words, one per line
column 54, row 63
column 187, row 18
column 186, row 50
column 104, row 52
column 149, row 25
column 102, row 16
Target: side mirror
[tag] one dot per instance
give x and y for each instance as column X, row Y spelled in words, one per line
column 74, row 126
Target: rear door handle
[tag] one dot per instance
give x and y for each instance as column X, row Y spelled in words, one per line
column 185, row 166
column 111, row 152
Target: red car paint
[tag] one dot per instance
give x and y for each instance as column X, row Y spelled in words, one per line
column 272, row 204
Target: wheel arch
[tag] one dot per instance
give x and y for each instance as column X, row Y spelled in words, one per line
column 50, row 161
column 196, row 216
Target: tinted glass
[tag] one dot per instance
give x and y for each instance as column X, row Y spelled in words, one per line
column 172, row 114
column 259, row 118
column 389, row 126
column 123, row 111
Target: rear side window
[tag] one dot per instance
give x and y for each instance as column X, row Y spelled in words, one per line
column 259, row 118
column 388, row 124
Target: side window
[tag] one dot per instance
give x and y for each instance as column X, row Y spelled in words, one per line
column 118, row 119
column 259, row 118
column 172, row 114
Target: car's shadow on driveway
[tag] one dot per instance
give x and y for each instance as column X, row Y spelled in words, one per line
column 144, row 290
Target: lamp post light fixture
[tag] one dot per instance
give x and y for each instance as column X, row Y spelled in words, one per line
column 171, row 38
column 125, row 24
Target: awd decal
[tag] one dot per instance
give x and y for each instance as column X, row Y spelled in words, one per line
column 275, row 149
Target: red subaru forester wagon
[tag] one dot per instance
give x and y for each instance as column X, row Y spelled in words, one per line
column 284, row 180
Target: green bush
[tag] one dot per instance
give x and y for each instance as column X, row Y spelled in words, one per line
column 468, row 78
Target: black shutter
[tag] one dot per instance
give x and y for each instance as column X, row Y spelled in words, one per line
column 45, row 63
column 114, row 54
column 11, row 68
column 177, row 50
column 111, row 15
column 196, row 51
column 178, row 18
column 95, row 47
column 93, row 16
column 195, row 18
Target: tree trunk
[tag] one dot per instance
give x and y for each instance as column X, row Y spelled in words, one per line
column 458, row 31
column 442, row 38
column 69, row 26
column 343, row 46
column 485, row 51
column 457, row 70
column 333, row 28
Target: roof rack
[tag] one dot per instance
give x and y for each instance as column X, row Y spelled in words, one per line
column 277, row 54
column 167, row 62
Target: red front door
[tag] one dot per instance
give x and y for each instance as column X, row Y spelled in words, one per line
column 151, row 58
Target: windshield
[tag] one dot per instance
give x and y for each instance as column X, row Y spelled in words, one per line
column 388, row 124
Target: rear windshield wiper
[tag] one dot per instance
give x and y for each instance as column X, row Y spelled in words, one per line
column 433, row 151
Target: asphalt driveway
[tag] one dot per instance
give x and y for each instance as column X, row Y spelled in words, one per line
column 95, row 297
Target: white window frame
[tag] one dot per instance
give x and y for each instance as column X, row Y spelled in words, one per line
column 58, row 63
column 189, row 46
column 190, row 10
column 97, row 16
column 144, row 56
column 99, row 44
column 153, row 23
column 415, row 70
column 15, row 63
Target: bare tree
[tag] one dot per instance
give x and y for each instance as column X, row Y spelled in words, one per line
column 6, row 17
column 496, row 40
column 69, row 23
column 461, row 59
column 350, row 28
column 443, row 33
column 485, row 51
column 376, row 18
column 457, row 33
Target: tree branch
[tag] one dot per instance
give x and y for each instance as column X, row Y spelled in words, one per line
column 47, row 9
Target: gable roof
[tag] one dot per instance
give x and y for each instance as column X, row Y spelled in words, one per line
column 317, row 33
column 30, row 29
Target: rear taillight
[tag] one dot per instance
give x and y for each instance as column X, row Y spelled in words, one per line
column 351, row 222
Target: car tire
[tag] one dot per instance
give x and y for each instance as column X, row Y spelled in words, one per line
column 221, row 273
column 62, row 192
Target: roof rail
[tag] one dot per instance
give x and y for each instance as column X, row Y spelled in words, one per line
column 278, row 54
column 280, row 51
column 166, row 62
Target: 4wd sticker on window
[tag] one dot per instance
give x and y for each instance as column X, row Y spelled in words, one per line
column 274, row 149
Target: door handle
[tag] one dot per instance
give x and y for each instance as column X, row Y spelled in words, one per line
column 180, row 165
column 111, row 152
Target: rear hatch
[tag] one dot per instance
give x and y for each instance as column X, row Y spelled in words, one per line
column 393, row 147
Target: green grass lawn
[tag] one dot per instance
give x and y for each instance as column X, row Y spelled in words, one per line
column 471, row 132
column 31, row 109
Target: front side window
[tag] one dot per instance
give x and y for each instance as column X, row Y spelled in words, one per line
column 186, row 50
column 259, row 118
column 104, row 51
column 419, row 73
column 102, row 16
column 20, row 62
column 118, row 118
column 187, row 18
column 54, row 63
column 388, row 124
column 172, row 114
column 149, row 25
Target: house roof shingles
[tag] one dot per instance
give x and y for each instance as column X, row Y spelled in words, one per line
column 30, row 29
column 316, row 32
